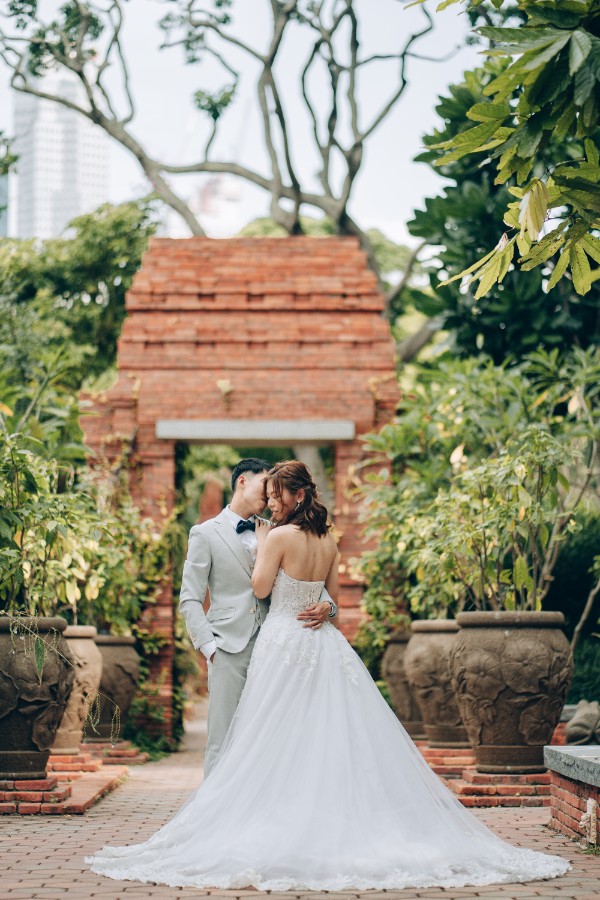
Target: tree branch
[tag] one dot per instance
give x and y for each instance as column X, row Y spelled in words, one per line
column 589, row 605
column 396, row 291
column 412, row 345
column 336, row 47
column 403, row 82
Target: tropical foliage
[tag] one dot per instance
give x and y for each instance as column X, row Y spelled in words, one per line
column 460, row 223
column 71, row 291
column 547, row 88
column 476, row 485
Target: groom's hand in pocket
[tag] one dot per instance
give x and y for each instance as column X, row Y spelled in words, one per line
column 315, row 615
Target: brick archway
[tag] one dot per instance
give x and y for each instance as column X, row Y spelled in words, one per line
column 249, row 341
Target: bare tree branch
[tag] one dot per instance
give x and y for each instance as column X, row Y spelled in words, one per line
column 337, row 131
column 403, row 82
column 587, row 610
column 396, row 291
column 412, row 346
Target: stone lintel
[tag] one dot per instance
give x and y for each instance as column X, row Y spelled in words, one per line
column 581, row 763
column 256, row 432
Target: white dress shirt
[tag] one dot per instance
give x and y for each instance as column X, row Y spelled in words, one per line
column 249, row 543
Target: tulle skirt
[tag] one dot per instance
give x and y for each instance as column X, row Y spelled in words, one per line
column 319, row 787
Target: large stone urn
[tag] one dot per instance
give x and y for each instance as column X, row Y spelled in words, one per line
column 120, row 672
column 34, row 691
column 87, row 660
column 403, row 702
column 511, row 673
column 427, row 666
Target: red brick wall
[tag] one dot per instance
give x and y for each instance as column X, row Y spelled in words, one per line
column 568, row 801
column 294, row 324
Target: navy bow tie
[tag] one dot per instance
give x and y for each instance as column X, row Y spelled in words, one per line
column 245, row 525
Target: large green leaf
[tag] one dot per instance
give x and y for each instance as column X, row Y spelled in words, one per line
column 591, row 245
column 580, row 269
column 545, row 248
column 39, row 653
column 29, row 480
column 584, row 85
column 579, row 50
column 549, row 83
column 534, row 59
column 523, row 38
column 487, row 111
column 529, row 136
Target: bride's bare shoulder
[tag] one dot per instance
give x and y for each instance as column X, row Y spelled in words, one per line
column 284, row 531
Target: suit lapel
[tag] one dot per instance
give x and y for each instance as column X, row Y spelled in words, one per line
column 231, row 540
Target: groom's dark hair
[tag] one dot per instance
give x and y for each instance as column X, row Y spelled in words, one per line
column 252, row 464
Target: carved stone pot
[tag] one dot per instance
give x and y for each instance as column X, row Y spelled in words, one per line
column 120, row 672
column 392, row 669
column 511, row 673
column 87, row 660
column 427, row 666
column 31, row 703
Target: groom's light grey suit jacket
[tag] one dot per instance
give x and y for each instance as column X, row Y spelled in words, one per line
column 217, row 560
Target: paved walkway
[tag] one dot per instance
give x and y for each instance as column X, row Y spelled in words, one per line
column 42, row 857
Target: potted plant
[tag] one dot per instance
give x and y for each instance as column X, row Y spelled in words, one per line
column 36, row 671
column 76, row 575
column 425, row 514
column 415, row 663
column 498, row 531
column 131, row 569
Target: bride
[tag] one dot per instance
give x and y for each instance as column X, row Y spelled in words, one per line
column 318, row 786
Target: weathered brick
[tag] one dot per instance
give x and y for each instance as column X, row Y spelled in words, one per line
column 41, row 784
column 28, row 808
column 52, row 808
column 28, row 796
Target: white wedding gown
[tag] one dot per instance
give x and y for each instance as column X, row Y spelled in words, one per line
column 318, row 787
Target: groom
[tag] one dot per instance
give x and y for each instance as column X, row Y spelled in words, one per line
column 221, row 554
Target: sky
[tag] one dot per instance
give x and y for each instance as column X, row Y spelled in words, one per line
column 390, row 185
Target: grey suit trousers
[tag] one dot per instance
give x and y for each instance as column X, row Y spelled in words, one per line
column 226, row 680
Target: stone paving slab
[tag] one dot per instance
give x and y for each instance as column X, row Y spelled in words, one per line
column 41, row 858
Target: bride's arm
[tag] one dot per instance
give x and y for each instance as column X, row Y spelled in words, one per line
column 269, row 554
column 332, row 582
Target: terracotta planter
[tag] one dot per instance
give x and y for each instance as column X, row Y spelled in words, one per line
column 120, row 671
column 392, row 669
column 31, row 706
column 427, row 666
column 88, row 671
column 511, row 672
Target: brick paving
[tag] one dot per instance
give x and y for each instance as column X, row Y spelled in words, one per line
column 42, row 857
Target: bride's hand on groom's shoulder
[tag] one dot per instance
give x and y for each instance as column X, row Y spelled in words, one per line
column 262, row 529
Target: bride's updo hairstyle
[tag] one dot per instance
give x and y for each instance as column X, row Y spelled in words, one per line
column 310, row 515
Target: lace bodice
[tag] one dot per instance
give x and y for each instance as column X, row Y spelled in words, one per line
column 291, row 595
column 300, row 646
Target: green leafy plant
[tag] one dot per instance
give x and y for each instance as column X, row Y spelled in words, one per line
column 548, row 88
column 68, row 293
column 495, row 532
column 477, row 463
column 39, row 519
column 461, row 222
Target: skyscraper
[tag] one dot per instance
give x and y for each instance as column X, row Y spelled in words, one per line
column 62, row 169
column 3, row 205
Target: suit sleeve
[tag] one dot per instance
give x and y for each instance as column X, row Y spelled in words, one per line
column 194, row 583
